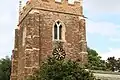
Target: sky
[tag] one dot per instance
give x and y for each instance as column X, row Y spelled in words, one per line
column 102, row 26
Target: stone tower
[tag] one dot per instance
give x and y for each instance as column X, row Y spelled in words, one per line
column 43, row 25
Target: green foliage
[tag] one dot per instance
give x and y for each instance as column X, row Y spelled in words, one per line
column 94, row 60
column 118, row 64
column 5, row 68
column 96, row 63
column 113, row 64
column 61, row 70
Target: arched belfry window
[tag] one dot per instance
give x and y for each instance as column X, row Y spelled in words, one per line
column 58, row 30
column 55, row 31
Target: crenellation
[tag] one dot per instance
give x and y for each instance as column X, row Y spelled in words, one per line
column 71, row 2
column 24, row 12
column 52, row 5
column 77, row 3
column 58, row 1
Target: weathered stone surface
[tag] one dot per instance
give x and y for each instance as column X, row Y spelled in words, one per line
column 34, row 38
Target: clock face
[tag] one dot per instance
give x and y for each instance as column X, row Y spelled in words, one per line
column 59, row 53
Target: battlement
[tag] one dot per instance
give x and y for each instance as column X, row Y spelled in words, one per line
column 59, row 6
column 24, row 11
column 56, row 3
column 70, row 2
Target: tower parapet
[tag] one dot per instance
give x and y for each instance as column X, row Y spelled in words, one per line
column 25, row 10
column 60, row 6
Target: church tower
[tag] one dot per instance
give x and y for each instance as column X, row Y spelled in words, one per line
column 44, row 27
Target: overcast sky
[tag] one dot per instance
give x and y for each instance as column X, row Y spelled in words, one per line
column 103, row 26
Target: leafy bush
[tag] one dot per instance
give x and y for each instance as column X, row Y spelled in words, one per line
column 5, row 68
column 54, row 69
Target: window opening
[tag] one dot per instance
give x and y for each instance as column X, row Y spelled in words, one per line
column 58, row 31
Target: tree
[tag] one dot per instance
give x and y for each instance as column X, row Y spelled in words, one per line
column 111, row 63
column 61, row 70
column 5, row 68
column 94, row 60
column 118, row 64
